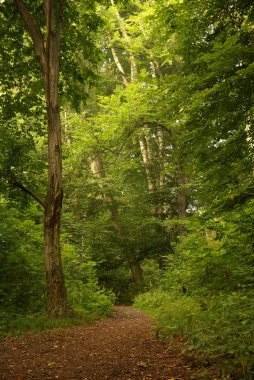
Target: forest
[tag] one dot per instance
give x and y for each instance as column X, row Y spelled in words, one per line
column 127, row 168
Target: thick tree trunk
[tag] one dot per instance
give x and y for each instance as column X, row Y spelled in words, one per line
column 47, row 48
column 57, row 298
column 137, row 274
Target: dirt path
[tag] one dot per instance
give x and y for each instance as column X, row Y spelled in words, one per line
column 122, row 347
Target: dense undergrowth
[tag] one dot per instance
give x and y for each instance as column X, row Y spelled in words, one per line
column 87, row 303
column 17, row 324
column 23, row 288
column 206, row 294
column 220, row 328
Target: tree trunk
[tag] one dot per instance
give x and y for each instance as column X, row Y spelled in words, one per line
column 47, row 48
column 119, row 66
column 181, row 200
column 145, row 144
column 181, row 197
column 57, row 299
column 160, row 135
column 249, row 136
column 134, row 70
column 146, row 157
column 137, row 274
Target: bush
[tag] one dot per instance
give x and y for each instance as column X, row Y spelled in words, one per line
column 220, row 328
column 152, row 301
column 22, row 286
column 89, row 298
column 174, row 316
column 225, row 333
column 85, row 296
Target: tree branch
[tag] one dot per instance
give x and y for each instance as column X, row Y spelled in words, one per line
column 28, row 191
column 33, row 29
column 119, row 66
column 134, row 70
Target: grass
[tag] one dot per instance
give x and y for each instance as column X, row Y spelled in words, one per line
column 16, row 325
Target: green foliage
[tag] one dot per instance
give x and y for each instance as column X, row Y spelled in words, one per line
column 22, row 287
column 220, row 328
column 117, row 277
column 89, row 298
column 226, row 330
column 207, row 291
column 84, row 293
column 152, row 301
column 195, row 81
column 16, row 324
column 174, row 316
column 152, row 273
column 216, row 255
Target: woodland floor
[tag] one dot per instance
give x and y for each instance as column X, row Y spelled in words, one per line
column 122, row 347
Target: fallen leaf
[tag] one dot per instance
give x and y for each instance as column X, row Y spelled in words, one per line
column 51, row 363
column 142, row 364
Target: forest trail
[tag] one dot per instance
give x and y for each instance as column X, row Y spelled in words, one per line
column 122, row 347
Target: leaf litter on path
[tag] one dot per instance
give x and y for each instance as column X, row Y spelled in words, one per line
column 122, row 347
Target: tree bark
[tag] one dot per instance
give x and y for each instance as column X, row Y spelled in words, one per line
column 145, row 144
column 146, row 157
column 137, row 274
column 119, row 66
column 249, row 136
column 47, row 50
column 160, row 135
column 181, row 198
column 134, row 70
column 57, row 298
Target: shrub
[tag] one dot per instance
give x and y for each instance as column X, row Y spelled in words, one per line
column 220, row 328
column 89, row 298
column 85, row 296
column 152, row 301
column 226, row 333
column 174, row 316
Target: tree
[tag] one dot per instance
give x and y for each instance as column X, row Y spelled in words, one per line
column 126, row 127
column 44, row 27
column 47, row 48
